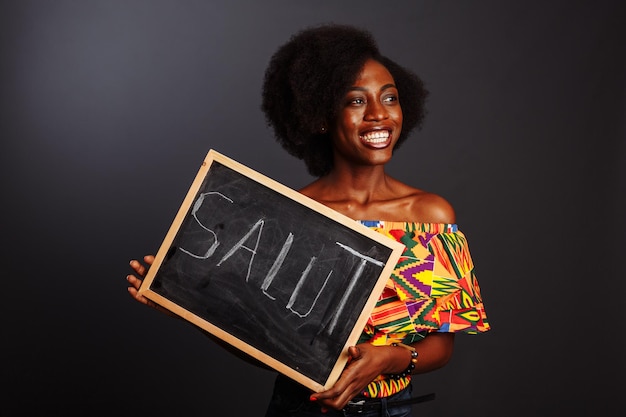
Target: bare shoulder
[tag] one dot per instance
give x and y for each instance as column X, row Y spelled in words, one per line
column 432, row 208
column 423, row 206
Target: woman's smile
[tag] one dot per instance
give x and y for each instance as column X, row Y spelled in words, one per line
column 376, row 138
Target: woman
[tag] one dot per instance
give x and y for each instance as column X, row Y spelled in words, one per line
column 343, row 108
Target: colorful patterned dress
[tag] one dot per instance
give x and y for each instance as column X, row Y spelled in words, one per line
column 432, row 289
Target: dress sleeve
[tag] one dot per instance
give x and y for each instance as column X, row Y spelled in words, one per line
column 436, row 282
column 433, row 287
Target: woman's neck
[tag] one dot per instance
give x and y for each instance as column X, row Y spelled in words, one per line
column 364, row 195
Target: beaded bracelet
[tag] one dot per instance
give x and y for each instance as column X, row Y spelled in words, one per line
column 408, row 370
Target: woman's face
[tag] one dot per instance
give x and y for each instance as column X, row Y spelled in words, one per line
column 370, row 118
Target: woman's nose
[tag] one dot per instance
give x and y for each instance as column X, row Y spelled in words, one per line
column 375, row 111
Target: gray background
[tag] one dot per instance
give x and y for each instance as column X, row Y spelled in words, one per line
column 109, row 107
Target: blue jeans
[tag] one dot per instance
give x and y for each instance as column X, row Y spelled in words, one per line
column 291, row 399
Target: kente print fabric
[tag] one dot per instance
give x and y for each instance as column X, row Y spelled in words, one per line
column 432, row 289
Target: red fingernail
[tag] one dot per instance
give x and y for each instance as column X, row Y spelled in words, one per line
column 312, row 398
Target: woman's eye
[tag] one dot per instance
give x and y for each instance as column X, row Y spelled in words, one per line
column 390, row 99
column 357, row 101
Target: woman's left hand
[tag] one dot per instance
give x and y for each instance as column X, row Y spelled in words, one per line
column 366, row 363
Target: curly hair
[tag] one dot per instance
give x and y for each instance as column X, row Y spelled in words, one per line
column 306, row 80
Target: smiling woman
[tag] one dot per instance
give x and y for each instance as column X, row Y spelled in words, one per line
column 338, row 104
column 371, row 119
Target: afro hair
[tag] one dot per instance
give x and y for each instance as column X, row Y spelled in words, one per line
column 306, row 80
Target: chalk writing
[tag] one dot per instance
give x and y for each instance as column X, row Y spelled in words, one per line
column 194, row 213
column 257, row 229
column 271, row 274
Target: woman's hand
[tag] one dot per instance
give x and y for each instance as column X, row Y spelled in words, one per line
column 135, row 282
column 365, row 364
column 368, row 361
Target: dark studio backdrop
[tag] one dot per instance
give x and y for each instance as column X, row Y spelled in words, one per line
column 108, row 108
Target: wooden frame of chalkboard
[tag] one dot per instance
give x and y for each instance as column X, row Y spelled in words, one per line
column 270, row 271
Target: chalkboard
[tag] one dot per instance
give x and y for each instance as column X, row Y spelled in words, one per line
column 270, row 271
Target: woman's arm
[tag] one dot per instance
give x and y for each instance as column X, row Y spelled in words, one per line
column 368, row 361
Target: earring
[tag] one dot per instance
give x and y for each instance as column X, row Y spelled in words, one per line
column 323, row 129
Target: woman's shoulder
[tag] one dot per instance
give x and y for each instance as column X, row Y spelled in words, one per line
column 421, row 206
column 427, row 207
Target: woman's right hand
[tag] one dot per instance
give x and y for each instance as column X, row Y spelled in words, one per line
column 134, row 282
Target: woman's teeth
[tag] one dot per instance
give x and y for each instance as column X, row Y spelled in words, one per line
column 376, row 137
